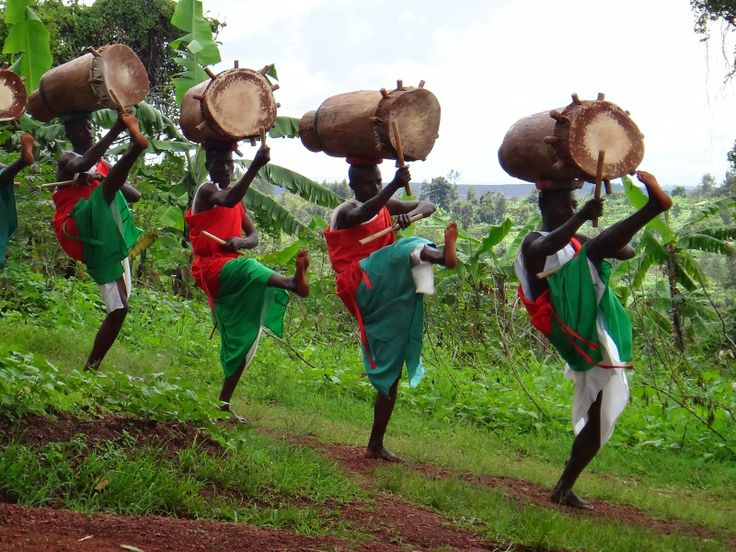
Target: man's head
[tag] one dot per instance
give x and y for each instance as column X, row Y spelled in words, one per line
column 364, row 177
column 78, row 130
column 219, row 161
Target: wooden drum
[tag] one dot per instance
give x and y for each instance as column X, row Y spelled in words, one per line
column 13, row 97
column 233, row 105
column 83, row 85
column 564, row 143
column 359, row 123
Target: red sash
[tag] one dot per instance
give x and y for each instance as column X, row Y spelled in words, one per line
column 346, row 252
column 209, row 256
column 65, row 198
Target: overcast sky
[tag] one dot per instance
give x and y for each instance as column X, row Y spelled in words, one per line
column 490, row 63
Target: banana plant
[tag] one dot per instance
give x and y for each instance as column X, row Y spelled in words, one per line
column 27, row 42
column 672, row 250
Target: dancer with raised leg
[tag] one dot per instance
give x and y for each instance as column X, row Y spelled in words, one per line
column 244, row 295
column 92, row 221
column 563, row 279
column 382, row 283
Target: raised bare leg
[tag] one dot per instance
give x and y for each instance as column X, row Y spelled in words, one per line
column 26, row 158
column 382, row 410
column 119, row 171
column 446, row 256
column 26, row 148
column 614, row 238
column 584, row 448
column 298, row 283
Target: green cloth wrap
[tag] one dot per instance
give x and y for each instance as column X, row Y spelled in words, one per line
column 107, row 232
column 573, row 295
column 8, row 218
column 243, row 305
column 393, row 314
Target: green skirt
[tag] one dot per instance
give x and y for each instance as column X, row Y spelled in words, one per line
column 243, row 305
column 393, row 315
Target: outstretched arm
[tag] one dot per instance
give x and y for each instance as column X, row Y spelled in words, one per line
column 236, row 193
column 130, row 193
column 72, row 164
column 542, row 246
column 351, row 216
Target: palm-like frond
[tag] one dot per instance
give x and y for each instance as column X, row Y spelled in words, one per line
column 28, row 37
column 299, row 185
column 278, row 214
column 285, row 127
column 705, row 242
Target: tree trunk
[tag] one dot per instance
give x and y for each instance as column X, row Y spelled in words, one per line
column 675, row 297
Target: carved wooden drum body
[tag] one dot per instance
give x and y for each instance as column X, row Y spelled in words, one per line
column 83, row 84
column 564, row 143
column 233, row 105
column 359, row 123
column 13, row 97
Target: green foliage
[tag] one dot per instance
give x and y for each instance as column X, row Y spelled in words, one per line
column 195, row 49
column 440, row 191
column 28, row 39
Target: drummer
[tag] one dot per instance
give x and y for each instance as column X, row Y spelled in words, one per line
column 382, row 283
column 8, row 214
column 92, row 220
column 244, row 295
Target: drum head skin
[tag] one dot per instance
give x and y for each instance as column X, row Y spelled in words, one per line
column 417, row 114
column 124, row 72
column 238, row 103
column 13, row 97
column 603, row 126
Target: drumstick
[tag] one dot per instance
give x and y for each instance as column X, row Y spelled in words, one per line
column 263, row 137
column 598, row 177
column 399, row 152
column 61, row 183
column 547, row 273
column 95, row 176
column 381, row 233
column 116, row 99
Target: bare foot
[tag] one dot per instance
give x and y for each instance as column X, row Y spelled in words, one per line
column 26, row 148
column 570, row 499
column 234, row 416
column 656, row 194
column 300, row 278
column 449, row 248
column 135, row 132
column 383, row 454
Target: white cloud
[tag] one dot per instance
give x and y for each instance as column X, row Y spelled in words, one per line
column 491, row 63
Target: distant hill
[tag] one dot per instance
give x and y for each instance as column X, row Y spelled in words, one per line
column 512, row 191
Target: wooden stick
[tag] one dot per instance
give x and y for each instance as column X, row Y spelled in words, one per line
column 210, row 72
column 548, row 273
column 381, row 233
column 61, row 183
column 598, row 179
column 263, row 137
column 214, row 238
column 399, row 152
column 117, row 101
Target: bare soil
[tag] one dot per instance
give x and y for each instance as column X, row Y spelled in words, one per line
column 386, row 523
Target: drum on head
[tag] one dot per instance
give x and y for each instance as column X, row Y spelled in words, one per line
column 13, row 97
column 359, row 123
column 233, row 105
column 83, row 84
column 564, row 143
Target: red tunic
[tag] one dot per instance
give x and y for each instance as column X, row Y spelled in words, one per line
column 346, row 252
column 209, row 256
column 65, row 199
